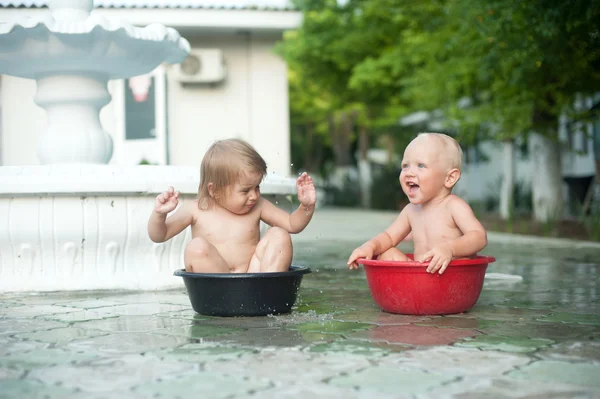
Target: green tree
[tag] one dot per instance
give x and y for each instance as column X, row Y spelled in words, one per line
column 542, row 55
column 498, row 68
column 310, row 59
column 332, row 41
column 309, row 107
column 495, row 69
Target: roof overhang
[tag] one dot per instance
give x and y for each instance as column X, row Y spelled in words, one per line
column 186, row 19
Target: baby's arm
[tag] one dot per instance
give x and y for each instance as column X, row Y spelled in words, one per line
column 299, row 219
column 383, row 241
column 292, row 223
column 474, row 237
column 473, row 240
column 161, row 228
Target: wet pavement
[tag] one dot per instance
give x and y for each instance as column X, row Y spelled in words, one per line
column 534, row 332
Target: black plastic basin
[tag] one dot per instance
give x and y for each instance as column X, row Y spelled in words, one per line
column 243, row 294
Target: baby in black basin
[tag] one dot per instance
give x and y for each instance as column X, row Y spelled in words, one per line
column 225, row 217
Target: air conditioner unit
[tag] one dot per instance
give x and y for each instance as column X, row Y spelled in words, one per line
column 202, row 66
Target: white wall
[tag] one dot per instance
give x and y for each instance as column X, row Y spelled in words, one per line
column 482, row 179
column 580, row 161
column 251, row 104
column 270, row 121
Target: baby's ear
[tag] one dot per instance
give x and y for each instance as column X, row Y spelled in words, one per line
column 211, row 189
column 452, row 178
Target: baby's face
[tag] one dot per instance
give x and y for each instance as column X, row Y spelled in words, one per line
column 424, row 169
column 242, row 196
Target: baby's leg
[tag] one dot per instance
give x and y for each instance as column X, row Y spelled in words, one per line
column 393, row 254
column 273, row 252
column 202, row 257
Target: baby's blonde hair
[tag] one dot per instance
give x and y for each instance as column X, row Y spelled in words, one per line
column 450, row 146
column 223, row 164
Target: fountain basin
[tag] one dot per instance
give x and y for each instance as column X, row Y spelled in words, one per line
column 407, row 288
column 80, row 227
column 91, row 43
column 243, row 294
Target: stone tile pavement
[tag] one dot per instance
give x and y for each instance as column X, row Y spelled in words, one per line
column 534, row 333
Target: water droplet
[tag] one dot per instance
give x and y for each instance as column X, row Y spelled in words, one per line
column 292, row 164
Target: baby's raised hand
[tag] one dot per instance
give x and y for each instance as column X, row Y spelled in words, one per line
column 167, row 201
column 307, row 194
column 439, row 258
column 360, row 252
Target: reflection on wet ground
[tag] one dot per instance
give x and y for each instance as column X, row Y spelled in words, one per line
column 536, row 336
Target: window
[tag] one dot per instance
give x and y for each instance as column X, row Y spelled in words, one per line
column 584, row 140
column 474, row 154
column 140, row 111
column 577, row 139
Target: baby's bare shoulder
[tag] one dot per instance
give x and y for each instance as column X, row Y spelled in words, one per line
column 407, row 213
column 190, row 206
column 455, row 201
column 194, row 209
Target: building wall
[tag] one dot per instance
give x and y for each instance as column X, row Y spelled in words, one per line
column 577, row 138
column 252, row 104
column 481, row 179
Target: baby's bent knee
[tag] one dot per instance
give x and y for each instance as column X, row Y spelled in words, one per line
column 394, row 255
column 198, row 247
column 280, row 235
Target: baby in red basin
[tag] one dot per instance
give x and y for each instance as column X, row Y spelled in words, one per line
column 443, row 227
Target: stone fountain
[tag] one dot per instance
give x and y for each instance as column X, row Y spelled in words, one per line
column 75, row 222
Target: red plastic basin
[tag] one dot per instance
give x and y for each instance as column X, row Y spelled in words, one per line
column 407, row 288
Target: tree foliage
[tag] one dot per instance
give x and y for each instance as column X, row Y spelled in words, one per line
column 510, row 63
column 518, row 63
column 494, row 69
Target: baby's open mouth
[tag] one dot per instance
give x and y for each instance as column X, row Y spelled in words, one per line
column 412, row 187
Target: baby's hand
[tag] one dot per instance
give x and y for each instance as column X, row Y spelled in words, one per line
column 360, row 252
column 167, row 201
column 439, row 258
column 307, row 194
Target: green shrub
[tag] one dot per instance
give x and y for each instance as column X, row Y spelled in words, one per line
column 386, row 193
column 591, row 220
column 346, row 196
column 523, row 198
